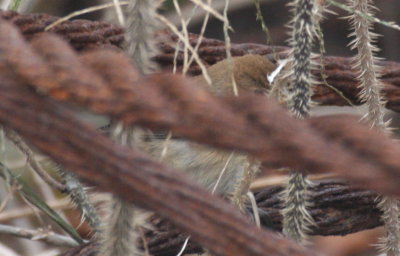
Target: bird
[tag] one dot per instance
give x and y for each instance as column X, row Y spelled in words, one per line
column 202, row 163
column 218, row 171
column 250, row 72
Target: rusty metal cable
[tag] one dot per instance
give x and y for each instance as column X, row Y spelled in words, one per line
column 81, row 34
column 84, row 34
column 105, row 82
column 53, row 129
column 338, row 70
column 338, row 209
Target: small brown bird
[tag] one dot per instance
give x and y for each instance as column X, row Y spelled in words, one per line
column 205, row 164
column 250, row 73
column 217, row 170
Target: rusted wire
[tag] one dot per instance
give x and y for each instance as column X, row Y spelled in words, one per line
column 54, row 130
column 84, row 34
column 81, row 34
column 338, row 70
column 105, row 82
column 338, row 209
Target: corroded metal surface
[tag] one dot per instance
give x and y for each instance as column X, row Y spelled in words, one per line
column 39, row 76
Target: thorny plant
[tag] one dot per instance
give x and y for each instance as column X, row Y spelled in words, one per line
column 294, row 89
column 369, row 77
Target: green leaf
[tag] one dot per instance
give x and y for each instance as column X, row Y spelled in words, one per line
column 28, row 193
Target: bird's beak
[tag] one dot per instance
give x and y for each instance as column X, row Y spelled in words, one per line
column 281, row 64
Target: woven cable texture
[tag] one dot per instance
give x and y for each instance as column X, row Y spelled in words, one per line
column 105, row 82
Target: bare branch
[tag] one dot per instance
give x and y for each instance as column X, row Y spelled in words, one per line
column 33, row 163
column 38, row 235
